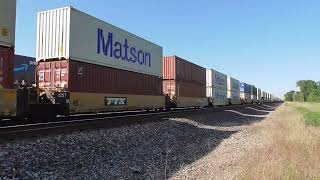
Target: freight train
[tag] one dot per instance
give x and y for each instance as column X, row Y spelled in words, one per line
column 84, row 64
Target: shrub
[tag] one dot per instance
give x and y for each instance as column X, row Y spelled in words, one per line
column 310, row 118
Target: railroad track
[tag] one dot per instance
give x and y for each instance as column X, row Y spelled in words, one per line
column 101, row 120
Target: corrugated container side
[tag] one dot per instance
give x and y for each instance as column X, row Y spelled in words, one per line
column 183, row 89
column 90, row 78
column 262, row 95
column 216, row 79
column 110, row 80
column 259, row 95
column 176, row 68
column 218, row 95
column 67, row 33
column 245, row 88
column 233, row 90
column 234, row 96
column 6, row 67
column 53, row 34
column 233, row 84
column 253, row 90
column 7, row 23
column 209, row 77
column 187, row 71
column 169, row 68
column 24, row 69
column 53, row 75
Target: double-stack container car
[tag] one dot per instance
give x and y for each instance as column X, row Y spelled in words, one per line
column 184, row 83
column 245, row 93
column 254, row 94
column 216, row 88
column 88, row 65
column 233, row 91
column 84, row 64
column 7, row 45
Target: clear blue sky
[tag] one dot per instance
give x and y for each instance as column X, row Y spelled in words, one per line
column 270, row 44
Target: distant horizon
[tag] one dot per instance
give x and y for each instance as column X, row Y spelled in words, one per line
column 270, row 45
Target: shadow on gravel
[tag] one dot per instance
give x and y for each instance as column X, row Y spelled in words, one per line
column 144, row 151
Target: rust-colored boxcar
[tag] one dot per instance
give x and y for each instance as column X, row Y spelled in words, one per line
column 176, row 68
column 184, row 94
column 183, row 89
column 6, row 67
column 184, row 83
column 100, row 88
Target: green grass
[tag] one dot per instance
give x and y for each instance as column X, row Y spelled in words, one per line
column 312, row 118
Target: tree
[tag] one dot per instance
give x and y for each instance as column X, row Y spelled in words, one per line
column 306, row 87
column 289, row 96
column 298, row 96
column 314, row 95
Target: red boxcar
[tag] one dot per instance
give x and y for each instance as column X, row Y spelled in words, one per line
column 90, row 78
column 94, row 88
column 183, row 89
column 6, row 67
column 176, row 68
column 184, row 83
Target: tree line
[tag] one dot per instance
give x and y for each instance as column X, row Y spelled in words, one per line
column 309, row 92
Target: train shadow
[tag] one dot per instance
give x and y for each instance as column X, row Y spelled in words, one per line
column 162, row 149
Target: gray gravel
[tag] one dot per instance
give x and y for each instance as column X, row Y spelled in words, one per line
column 147, row 151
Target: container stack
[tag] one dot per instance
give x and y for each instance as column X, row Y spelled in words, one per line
column 263, row 96
column 7, row 42
column 245, row 92
column 233, row 91
column 184, row 82
column 216, row 85
column 259, row 95
column 254, row 94
column 102, row 66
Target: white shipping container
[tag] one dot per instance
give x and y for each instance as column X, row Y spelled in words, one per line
column 234, row 97
column 259, row 95
column 7, row 22
column 233, row 84
column 217, row 96
column 216, row 79
column 71, row 34
column 233, row 87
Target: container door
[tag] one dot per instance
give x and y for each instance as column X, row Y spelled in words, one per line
column 53, row 75
column 6, row 68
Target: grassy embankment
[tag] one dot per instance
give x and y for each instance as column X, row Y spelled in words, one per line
column 310, row 112
column 292, row 145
